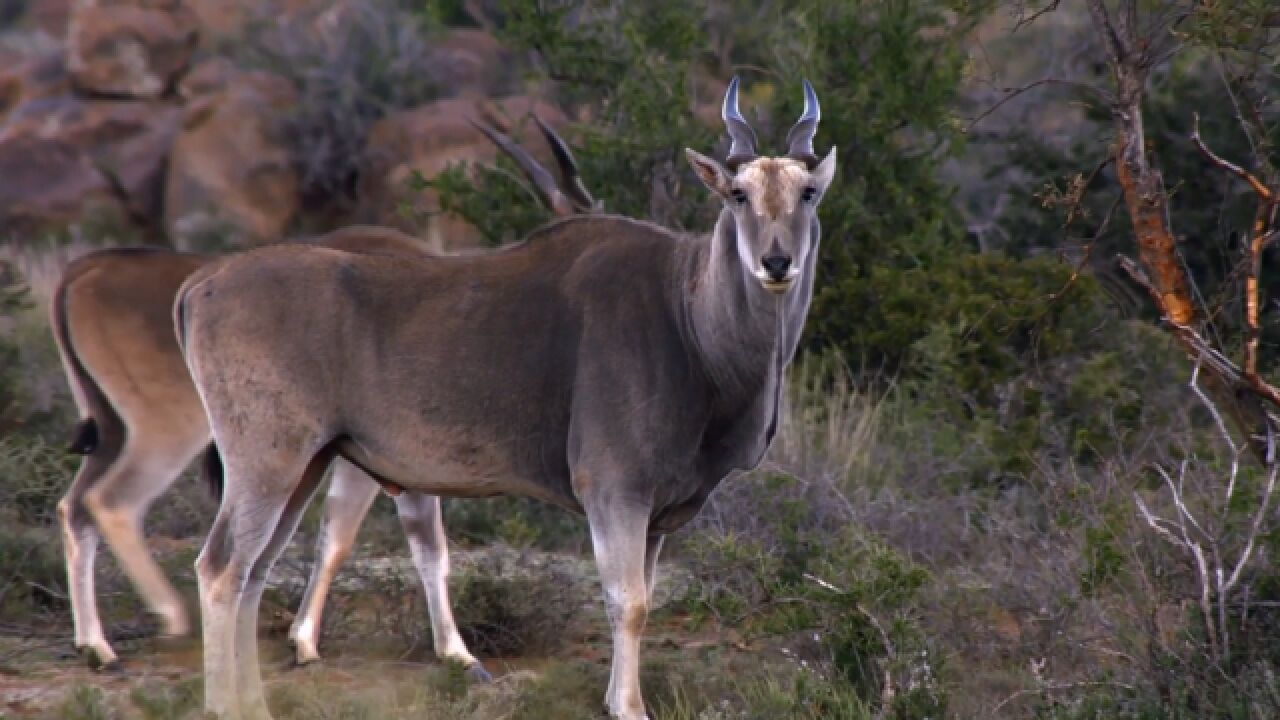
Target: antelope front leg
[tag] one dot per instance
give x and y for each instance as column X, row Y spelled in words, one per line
column 420, row 516
column 618, row 536
column 351, row 494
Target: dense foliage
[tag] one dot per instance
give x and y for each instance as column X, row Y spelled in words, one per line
column 13, row 299
column 902, row 293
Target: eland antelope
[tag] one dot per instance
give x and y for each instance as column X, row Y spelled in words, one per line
column 604, row 364
column 143, row 423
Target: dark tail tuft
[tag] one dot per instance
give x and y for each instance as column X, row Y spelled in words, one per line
column 211, row 471
column 85, row 441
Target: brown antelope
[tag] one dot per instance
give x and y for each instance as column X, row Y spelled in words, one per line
column 143, row 423
column 606, row 365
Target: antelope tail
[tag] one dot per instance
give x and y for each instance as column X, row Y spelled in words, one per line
column 211, row 471
column 100, row 424
column 85, row 440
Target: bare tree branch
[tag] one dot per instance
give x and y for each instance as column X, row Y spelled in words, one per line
column 1011, row 93
column 1258, row 186
column 1088, row 249
column 1025, row 19
column 1116, row 49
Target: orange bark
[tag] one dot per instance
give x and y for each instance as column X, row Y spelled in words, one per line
column 1147, row 204
column 1252, row 330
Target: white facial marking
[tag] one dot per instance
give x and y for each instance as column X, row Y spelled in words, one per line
column 773, row 184
column 773, row 187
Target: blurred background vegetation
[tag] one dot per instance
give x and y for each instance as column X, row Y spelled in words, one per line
column 956, row 519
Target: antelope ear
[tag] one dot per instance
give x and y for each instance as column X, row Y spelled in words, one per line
column 825, row 171
column 711, row 173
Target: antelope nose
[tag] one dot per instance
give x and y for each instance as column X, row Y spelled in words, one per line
column 776, row 265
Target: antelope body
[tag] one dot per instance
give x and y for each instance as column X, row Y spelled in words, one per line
column 606, row 365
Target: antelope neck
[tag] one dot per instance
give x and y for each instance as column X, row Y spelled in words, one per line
column 738, row 331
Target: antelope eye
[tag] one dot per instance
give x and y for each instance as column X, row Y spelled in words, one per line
column 739, row 196
column 808, row 194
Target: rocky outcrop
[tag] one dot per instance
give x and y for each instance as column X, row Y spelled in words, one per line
column 130, row 48
column 230, row 173
column 207, row 78
column 115, row 124
column 24, row 78
column 65, row 158
column 50, row 182
column 223, row 19
column 429, row 139
column 472, row 61
column 50, row 16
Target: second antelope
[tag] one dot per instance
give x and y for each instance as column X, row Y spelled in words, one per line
column 142, row 423
column 606, row 365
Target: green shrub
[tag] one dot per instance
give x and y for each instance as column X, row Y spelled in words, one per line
column 982, row 343
column 777, row 559
column 370, row 59
column 13, row 299
column 570, row 690
column 35, row 473
column 514, row 521
column 505, row 607
column 32, row 577
column 168, row 702
column 86, row 703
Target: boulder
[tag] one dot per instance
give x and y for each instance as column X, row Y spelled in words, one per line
column 220, row 20
column 130, row 48
column 28, row 77
column 231, row 175
column 50, row 16
column 207, row 77
column 429, row 139
column 470, row 61
column 50, row 182
column 66, row 158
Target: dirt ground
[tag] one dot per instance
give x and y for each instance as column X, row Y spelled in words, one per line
column 364, row 673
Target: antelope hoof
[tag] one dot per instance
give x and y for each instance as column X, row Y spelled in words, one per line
column 477, row 674
column 304, row 652
column 624, row 714
column 99, row 661
column 302, row 659
column 173, row 621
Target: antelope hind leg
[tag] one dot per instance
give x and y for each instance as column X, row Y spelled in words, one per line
column 254, row 503
column 118, row 502
column 351, row 493
column 253, row 703
column 79, row 547
column 421, row 518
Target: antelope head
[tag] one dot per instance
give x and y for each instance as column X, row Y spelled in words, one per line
column 773, row 201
